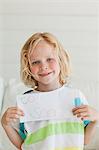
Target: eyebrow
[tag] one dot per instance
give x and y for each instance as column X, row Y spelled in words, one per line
column 39, row 58
column 33, row 59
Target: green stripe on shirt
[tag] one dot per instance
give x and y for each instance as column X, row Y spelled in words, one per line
column 54, row 129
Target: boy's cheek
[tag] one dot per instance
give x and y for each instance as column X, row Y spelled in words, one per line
column 34, row 70
column 54, row 65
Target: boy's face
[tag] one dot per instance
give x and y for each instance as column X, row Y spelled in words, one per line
column 44, row 63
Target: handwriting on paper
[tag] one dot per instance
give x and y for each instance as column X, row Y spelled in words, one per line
column 44, row 106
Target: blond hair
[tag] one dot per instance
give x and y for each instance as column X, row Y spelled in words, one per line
column 64, row 60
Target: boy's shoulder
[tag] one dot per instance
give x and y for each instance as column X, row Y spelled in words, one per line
column 77, row 93
column 72, row 89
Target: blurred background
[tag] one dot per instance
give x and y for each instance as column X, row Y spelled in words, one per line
column 76, row 25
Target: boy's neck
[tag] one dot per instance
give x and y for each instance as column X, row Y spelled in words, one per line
column 46, row 88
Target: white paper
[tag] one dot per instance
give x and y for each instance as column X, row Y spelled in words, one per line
column 44, row 106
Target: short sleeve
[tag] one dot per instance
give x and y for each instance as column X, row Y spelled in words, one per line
column 22, row 132
column 84, row 102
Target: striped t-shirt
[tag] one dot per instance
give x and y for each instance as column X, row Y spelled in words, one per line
column 56, row 134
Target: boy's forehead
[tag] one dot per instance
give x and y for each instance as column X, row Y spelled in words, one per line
column 43, row 45
column 43, row 50
column 42, row 55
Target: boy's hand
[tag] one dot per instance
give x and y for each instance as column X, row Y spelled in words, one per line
column 11, row 114
column 86, row 112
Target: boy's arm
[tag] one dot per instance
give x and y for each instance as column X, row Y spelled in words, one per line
column 86, row 112
column 10, row 115
column 13, row 136
column 89, row 132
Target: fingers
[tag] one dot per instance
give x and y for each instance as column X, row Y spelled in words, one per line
column 15, row 110
column 82, row 114
column 81, row 111
column 12, row 114
column 80, row 107
column 86, row 112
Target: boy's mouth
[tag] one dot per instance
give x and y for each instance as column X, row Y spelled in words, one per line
column 45, row 74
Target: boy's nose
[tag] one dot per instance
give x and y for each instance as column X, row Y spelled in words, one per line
column 43, row 66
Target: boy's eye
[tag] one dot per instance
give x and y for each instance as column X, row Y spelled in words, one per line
column 35, row 62
column 49, row 59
